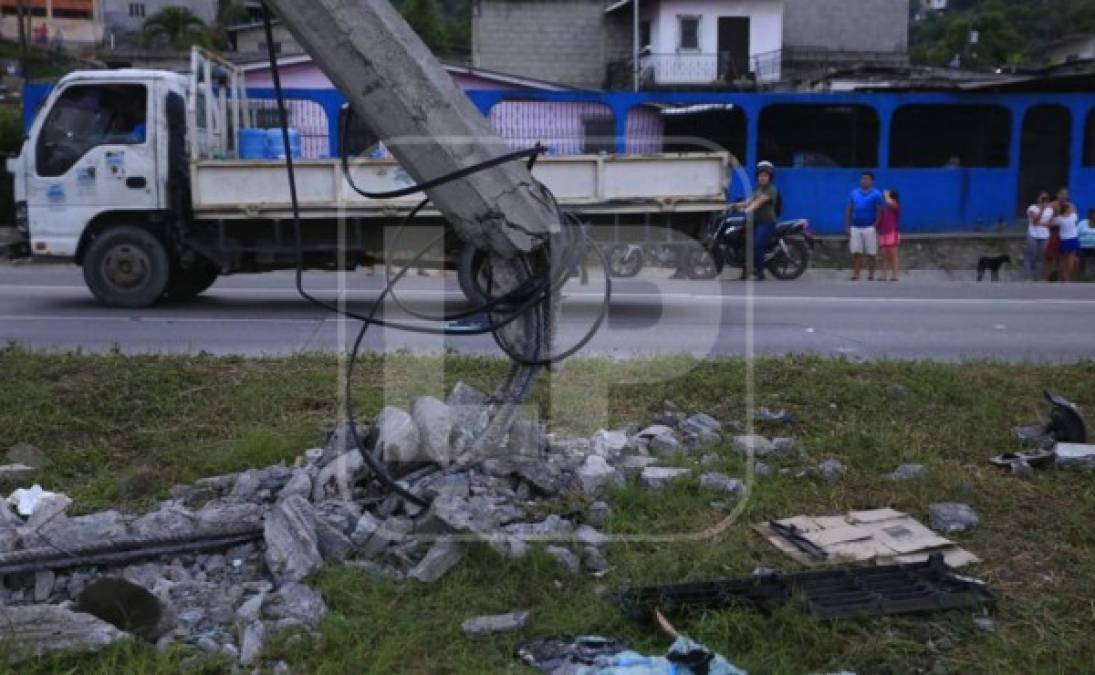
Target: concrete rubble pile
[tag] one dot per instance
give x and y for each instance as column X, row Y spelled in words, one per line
column 328, row 508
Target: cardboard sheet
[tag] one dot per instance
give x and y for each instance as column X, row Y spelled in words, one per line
column 884, row 536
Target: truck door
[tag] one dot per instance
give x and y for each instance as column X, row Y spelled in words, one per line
column 95, row 152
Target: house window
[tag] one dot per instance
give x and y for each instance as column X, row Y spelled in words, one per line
column 644, row 34
column 930, row 136
column 690, row 32
column 136, row 10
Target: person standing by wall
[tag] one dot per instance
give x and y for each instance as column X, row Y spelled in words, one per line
column 861, row 219
column 1069, row 248
column 1034, row 254
column 889, row 235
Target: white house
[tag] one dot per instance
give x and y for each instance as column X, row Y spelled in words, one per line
column 1070, row 49
column 700, row 42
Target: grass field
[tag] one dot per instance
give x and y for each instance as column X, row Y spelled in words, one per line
column 124, row 429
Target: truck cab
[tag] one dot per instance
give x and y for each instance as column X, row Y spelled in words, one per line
column 101, row 177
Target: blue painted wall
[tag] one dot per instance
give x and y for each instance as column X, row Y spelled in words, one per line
column 934, row 200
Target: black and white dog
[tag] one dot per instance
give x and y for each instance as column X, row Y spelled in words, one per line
column 993, row 265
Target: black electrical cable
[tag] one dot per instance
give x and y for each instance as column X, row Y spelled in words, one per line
column 374, row 464
column 344, row 127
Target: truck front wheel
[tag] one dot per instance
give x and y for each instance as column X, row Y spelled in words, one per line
column 127, row 266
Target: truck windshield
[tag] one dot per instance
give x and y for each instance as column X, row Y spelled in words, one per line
column 87, row 116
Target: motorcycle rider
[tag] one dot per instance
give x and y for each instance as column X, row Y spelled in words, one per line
column 763, row 207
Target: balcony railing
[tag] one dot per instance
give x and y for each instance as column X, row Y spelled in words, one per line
column 685, row 69
column 722, row 71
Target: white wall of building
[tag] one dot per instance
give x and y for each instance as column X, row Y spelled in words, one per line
column 700, row 66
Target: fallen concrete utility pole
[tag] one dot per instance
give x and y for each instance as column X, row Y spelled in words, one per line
column 404, row 95
column 409, row 101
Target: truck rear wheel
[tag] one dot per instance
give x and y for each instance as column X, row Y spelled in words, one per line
column 193, row 281
column 127, row 266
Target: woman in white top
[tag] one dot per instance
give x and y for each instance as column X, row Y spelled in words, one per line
column 1037, row 235
column 1067, row 219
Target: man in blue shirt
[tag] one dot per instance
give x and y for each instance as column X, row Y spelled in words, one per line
column 861, row 219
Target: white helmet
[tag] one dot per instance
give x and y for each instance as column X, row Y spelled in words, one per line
column 766, row 167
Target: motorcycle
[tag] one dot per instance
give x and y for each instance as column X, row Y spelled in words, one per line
column 725, row 243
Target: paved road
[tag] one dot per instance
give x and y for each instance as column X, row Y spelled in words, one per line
column 47, row 307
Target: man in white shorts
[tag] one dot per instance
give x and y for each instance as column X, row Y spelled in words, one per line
column 861, row 218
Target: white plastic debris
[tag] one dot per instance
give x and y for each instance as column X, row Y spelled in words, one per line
column 27, row 501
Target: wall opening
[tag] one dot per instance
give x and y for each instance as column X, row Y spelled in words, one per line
column 704, row 128
column 1045, row 153
column 935, row 136
column 820, row 136
column 565, row 128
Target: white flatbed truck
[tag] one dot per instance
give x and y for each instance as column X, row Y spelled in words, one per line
column 136, row 176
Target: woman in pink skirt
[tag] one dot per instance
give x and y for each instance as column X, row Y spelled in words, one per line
column 889, row 235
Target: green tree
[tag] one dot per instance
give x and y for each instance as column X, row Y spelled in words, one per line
column 175, row 27
column 1010, row 32
column 426, row 20
column 459, row 27
column 229, row 13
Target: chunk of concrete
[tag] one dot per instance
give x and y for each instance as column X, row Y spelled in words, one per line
column 222, row 514
column 702, row 423
column 565, row 557
column 292, row 546
column 498, row 623
column 947, row 517
column 339, row 477
column 633, row 465
column 300, row 483
column 252, row 641
column 74, row 533
column 166, row 522
column 479, row 514
column 436, row 429
column 909, row 472
column 596, row 474
column 598, row 513
column 42, row 630
column 296, row 602
column 398, row 436
column 831, row 469
column 753, row 444
column 660, row 477
column 720, row 482
column 609, row 444
column 1075, row 456
column 442, row 557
